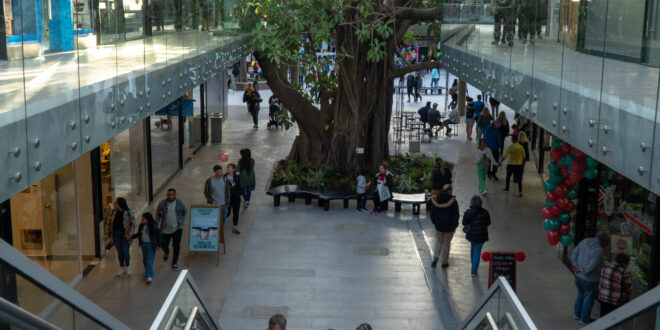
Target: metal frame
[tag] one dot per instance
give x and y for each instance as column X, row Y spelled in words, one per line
column 36, row 274
column 164, row 312
column 648, row 300
column 16, row 316
column 501, row 285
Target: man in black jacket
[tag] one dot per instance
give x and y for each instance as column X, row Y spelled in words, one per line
column 444, row 215
column 410, row 83
column 424, row 113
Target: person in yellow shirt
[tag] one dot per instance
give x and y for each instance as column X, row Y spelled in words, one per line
column 516, row 155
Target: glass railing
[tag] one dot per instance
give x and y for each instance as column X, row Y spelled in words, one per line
column 185, row 308
column 466, row 13
column 499, row 309
column 640, row 314
column 30, row 293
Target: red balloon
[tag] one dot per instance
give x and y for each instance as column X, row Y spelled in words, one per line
column 570, row 206
column 547, row 213
column 223, row 157
column 552, row 198
column 566, row 148
column 574, row 176
column 556, row 210
column 579, row 154
column 569, row 183
column 553, row 237
column 562, row 202
column 561, row 190
column 564, row 228
column 486, row 256
column 578, row 165
column 564, row 172
column 555, row 154
column 520, row 256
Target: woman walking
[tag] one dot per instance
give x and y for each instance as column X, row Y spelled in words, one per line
column 235, row 196
column 121, row 226
column 246, row 175
column 469, row 120
column 483, row 156
column 483, row 122
column 475, row 225
column 503, row 126
column 255, row 99
column 149, row 237
column 384, row 179
column 440, row 176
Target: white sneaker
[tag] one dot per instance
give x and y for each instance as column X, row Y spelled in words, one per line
column 128, row 271
column 483, row 193
column 121, row 273
column 149, row 279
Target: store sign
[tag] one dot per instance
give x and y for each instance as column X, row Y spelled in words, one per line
column 204, row 225
column 503, row 264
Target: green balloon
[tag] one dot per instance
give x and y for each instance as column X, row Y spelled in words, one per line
column 591, row 163
column 572, row 194
column 564, row 217
column 565, row 160
column 549, row 185
column 546, row 224
column 556, row 179
column 553, row 167
column 553, row 224
column 566, row 239
column 557, row 143
column 591, row 173
column 549, row 203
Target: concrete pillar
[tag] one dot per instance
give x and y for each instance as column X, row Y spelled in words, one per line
column 244, row 69
column 462, row 89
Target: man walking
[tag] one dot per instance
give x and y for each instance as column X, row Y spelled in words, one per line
column 419, row 83
column 435, row 77
column 587, row 259
column 494, row 143
column 444, row 215
column 218, row 191
column 516, row 154
column 171, row 217
column 410, row 83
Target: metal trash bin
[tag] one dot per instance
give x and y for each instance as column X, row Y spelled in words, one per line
column 216, row 127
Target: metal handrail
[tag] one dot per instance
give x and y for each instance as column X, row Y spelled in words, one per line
column 20, row 318
column 176, row 312
column 164, row 313
column 191, row 318
column 491, row 321
column 502, row 286
column 46, row 281
column 648, row 300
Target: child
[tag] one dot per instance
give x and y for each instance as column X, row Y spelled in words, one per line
column 149, row 237
column 273, row 109
column 516, row 131
column 361, row 192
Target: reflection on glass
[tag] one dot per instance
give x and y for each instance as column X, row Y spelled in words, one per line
column 164, row 148
column 128, row 163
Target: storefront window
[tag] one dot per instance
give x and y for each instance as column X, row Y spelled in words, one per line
column 164, row 149
column 127, row 156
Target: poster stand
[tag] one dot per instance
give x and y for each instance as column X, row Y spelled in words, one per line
column 205, row 231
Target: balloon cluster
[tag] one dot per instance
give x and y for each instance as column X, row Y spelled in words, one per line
column 568, row 166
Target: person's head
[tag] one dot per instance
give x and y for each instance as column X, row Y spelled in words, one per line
column 171, row 194
column 231, row 168
column 428, row 104
column 277, row 322
column 435, row 106
column 217, row 170
column 148, row 219
column 502, row 117
column 451, row 91
column 121, row 204
column 514, row 138
column 485, row 112
column 439, row 162
column 476, row 201
column 382, row 168
column 522, row 137
column 622, row 260
column 603, row 238
column 482, row 144
column 364, row 326
column 452, row 105
column 478, row 97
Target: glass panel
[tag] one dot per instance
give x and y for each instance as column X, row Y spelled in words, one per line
column 45, row 225
column 128, row 163
column 164, row 148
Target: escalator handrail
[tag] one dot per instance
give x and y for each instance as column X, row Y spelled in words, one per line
column 16, row 316
column 46, row 281
column 650, row 299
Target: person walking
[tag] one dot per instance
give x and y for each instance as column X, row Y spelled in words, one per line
column 502, row 125
column 484, row 159
column 587, row 259
column 483, row 122
column 494, row 105
column 247, row 176
column 469, row 120
column 440, row 176
column 614, row 287
column 255, row 100
column 121, row 225
column 516, row 154
column 171, row 217
column 475, row 225
column 218, row 191
column 148, row 236
column 410, row 84
column 247, row 97
column 384, row 183
column 444, row 215
column 435, row 77
column 478, row 106
column 493, row 142
column 419, row 84
column 235, row 195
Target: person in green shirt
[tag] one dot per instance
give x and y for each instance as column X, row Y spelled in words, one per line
column 516, row 155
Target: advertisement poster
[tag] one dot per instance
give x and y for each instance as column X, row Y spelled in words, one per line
column 204, row 228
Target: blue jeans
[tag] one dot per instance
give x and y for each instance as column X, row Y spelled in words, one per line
column 224, row 213
column 247, row 192
column 148, row 255
column 475, row 255
column 586, row 295
column 122, row 246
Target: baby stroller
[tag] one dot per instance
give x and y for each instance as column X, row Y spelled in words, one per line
column 272, row 112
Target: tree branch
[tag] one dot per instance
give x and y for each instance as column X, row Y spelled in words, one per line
column 415, row 67
column 418, row 14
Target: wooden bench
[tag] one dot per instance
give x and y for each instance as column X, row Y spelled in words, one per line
column 426, row 90
column 324, row 197
column 416, row 200
column 328, row 195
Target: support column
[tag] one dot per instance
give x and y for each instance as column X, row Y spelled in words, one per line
column 244, row 69
column 462, row 89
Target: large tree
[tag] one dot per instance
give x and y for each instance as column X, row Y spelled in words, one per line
column 350, row 107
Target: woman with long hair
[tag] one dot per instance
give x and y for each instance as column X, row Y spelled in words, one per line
column 483, row 122
column 121, row 225
column 440, row 176
column 503, row 126
column 246, row 175
column 148, row 235
column 483, row 156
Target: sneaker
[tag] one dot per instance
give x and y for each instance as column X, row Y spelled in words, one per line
column 175, row 267
column 149, row 280
column 483, row 193
column 576, row 317
column 494, row 42
column 474, row 274
column 247, row 204
column 165, row 256
column 585, row 323
column 128, row 272
column 444, row 265
column 121, row 273
column 434, row 263
column 236, row 232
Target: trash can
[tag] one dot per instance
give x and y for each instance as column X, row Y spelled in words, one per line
column 216, row 127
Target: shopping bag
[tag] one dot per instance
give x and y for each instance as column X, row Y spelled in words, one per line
column 383, row 192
